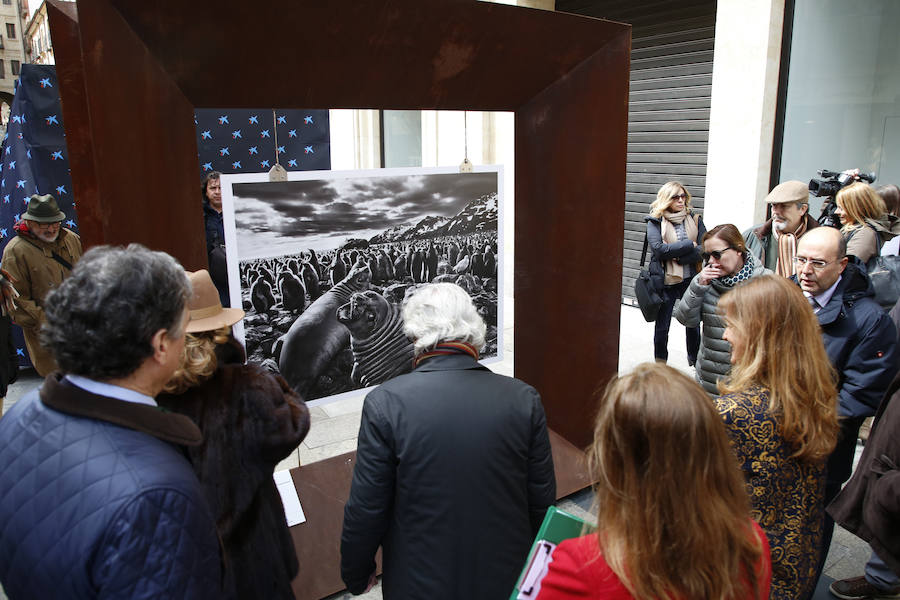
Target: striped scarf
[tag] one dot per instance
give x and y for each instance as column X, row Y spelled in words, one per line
column 445, row 348
column 787, row 249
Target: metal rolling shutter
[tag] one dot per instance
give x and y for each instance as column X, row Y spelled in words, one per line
column 669, row 99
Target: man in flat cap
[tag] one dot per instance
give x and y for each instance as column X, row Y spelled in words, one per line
column 38, row 258
column 775, row 242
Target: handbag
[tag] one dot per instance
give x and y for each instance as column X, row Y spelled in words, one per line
column 884, row 273
column 648, row 295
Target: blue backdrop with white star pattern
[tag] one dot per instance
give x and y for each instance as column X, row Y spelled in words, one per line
column 244, row 140
column 34, row 159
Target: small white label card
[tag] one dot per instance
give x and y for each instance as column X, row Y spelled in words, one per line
column 292, row 509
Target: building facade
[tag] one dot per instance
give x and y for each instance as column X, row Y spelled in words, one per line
column 12, row 49
column 37, row 38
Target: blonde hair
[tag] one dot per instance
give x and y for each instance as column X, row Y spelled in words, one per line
column 783, row 352
column 860, row 202
column 670, row 494
column 198, row 362
column 664, row 198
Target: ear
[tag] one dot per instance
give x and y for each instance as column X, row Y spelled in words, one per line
column 804, row 208
column 163, row 345
column 843, row 263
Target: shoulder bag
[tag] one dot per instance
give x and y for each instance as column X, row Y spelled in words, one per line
column 648, row 296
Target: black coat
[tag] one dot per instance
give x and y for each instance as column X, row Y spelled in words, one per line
column 250, row 421
column 9, row 362
column 861, row 343
column 453, row 477
column 869, row 505
column 683, row 252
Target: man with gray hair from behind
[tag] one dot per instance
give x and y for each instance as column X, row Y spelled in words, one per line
column 96, row 498
column 453, row 469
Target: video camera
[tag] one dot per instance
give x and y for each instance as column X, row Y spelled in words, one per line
column 829, row 186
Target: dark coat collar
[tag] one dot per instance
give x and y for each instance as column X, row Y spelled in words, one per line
column 449, row 362
column 854, row 285
column 72, row 400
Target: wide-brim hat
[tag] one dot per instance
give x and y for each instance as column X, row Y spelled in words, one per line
column 207, row 313
column 789, row 191
column 43, row 209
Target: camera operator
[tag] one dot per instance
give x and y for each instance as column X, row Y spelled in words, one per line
column 774, row 242
column 828, row 187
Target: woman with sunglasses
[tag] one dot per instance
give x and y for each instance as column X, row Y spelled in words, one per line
column 780, row 409
column 864, row 221
column 673, row 233
column 726, row 263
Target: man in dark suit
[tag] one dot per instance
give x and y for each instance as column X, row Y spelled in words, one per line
column 453, row 472
column 860, row 340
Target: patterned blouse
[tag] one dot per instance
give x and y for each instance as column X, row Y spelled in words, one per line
column 786, row 494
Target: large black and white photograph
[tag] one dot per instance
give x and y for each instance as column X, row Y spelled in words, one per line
column 321, row 264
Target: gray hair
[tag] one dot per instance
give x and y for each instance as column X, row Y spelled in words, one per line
column 101, row 320
column 442, row 312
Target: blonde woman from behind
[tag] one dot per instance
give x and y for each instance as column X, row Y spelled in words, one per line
column 780, row 409
column 673, row 519
column 250, row 420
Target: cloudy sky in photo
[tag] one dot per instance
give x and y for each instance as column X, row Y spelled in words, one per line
column 278, row 218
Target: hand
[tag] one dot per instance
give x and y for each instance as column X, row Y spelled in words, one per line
column 709, row 273
column 8, row 293
column 372, row 582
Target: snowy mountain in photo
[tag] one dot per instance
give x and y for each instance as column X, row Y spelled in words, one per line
column 479, row 215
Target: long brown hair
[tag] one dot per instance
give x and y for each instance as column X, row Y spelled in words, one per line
column 783, row 351
column 673, row 517
column 198, row 361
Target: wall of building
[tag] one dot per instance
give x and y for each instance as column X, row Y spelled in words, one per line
column 12, row 53
column 742, row 113
column 37, row 38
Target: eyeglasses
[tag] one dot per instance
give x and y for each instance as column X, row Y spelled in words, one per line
column 818, row 265
column 679, row 197
column 716, row 254
column 39, row 225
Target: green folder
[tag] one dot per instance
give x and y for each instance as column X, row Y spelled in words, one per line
column 558, row 525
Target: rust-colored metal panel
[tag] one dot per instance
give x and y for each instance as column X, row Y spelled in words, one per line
column 63, row 19
column 132, row 72
column 323, row 488
column 130, row 132
column 570, row 190
column 396, row 54
column 147, row 64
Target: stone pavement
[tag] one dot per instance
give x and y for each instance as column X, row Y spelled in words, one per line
column 335, row 427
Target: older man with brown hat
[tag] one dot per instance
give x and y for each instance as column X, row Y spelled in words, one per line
column 38, row 259
column 774, row 242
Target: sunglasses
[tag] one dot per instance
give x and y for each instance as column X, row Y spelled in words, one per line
column 716, row 254
column 679, row 197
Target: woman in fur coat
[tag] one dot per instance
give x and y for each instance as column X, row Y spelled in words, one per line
column 250, row 421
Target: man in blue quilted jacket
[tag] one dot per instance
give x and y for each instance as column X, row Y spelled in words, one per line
column 96, row 498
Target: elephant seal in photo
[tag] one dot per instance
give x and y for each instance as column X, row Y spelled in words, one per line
column 316, row 336
column 380, row 348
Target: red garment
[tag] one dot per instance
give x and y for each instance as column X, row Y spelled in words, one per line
column 579, row 571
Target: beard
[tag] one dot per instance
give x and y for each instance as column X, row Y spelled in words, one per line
column 780, row 225
column 46, row 237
